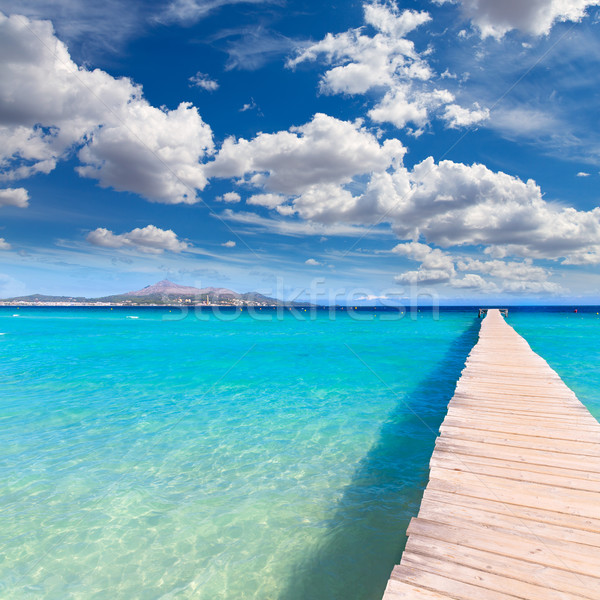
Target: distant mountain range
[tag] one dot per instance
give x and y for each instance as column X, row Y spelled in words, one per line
column 164, row 292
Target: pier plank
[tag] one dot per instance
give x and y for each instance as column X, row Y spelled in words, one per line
column 563, row 581
column 512, row 507
column 566, row 478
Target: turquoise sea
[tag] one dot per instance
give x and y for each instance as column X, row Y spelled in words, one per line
column 148, row 453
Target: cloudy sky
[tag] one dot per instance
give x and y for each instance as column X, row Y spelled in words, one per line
column 276, row 145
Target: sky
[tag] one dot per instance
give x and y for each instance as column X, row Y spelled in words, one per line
column 339, row 151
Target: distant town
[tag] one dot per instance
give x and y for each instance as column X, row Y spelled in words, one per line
column 163, row 293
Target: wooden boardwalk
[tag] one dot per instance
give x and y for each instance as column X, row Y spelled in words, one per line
column 512, row 507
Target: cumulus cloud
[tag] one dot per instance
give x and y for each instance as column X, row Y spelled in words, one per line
column 14, row 197
column 436, row 265
column 50, row 106
column 229, row 197
column 474, row 282
column 333, row 173
column 149, row 239
column 324, row 151
column 535, row 17
column 404, row 104
column 202, row 80
column 583, row 174
column 387, row 61
column 266, row 200
column 517, row 271
column 442, row 267
column 364, row 62
column 312, row 262
column 424, row 276
column 452, row 204
column 229, row 244
column 456, row 116
column 4, row 245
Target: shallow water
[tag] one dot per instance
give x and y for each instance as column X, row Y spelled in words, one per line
column 168, row 457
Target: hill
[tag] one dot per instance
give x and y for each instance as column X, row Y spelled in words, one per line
column 164, row 292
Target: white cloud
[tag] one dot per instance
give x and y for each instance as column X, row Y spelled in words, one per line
column 535, row 17
column 474, row 282
column 266, row 200
column 439, row 267
column 50, row 106
column 364, row 62
column 323, row 151
column 583, row 174
column 436, row 266
column 452, row 204
column 229, row 244
column 297, row 228
column 533, row 124
column 4, row 245
column 251, row 47
column 229, row 197
column 14, row 197
column 188, row 12
column 202, row 80
column 517, row 271
column 404, row 104
column 249, row 106
column 155, row 154
column 312, row 262
column 424, row 277
column 330, row 172
column 149, row 239
column 94, row 26
column 430, row 258
column 533, row 287
column 456, row 116
column 386, row 61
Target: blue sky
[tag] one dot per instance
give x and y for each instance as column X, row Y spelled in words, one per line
column 354, row 148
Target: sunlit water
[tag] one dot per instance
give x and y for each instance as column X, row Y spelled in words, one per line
column 162, row 457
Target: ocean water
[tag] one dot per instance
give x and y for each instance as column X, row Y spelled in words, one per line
column 146, row 453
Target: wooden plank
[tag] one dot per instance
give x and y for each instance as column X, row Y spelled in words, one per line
column 577, row 502
column 532, row 428
column 452, row 588
column 525, row 455
column 449, row 514
column 401, row 590
column 509, row 470
column 543, row 551
column 520, row 440
column 520, row 407
column 512, row 507
column 565, row 581
column 584, row 420
column 523, row 512
column 482, row 578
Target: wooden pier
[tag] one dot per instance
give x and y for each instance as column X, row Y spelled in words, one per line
column 512, row 507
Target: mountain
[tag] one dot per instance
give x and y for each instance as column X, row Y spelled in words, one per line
column 167, row 293
column 168, row 288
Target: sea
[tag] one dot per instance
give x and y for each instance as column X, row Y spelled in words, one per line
column 270, row 454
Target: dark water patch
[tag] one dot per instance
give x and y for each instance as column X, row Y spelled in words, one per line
column 366, row 534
